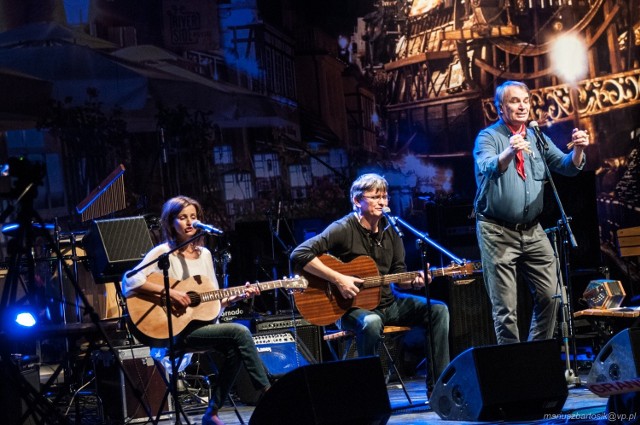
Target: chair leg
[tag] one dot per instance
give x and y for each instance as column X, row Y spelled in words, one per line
column 235, row 408
column 393, row 367
column 233, row 403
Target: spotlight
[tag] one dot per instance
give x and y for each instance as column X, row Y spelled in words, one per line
column 569, row 58
column 19, row 320
column 25, row 319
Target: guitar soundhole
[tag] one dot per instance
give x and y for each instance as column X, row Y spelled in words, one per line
column 195, row 299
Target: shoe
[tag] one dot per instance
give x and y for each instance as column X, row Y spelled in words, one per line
column 211, row 418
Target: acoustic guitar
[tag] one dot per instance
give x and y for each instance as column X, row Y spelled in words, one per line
column 322, row 303
column 147, row 313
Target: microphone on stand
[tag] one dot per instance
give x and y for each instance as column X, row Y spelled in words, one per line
column 392, row 221
column 197, row 224
column 278, row 217
column 542, row 142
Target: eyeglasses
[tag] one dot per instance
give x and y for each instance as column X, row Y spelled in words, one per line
column 376, row 198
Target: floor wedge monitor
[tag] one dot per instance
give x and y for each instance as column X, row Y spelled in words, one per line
column 516, row 382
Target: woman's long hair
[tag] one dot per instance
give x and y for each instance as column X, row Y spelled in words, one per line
column 170, row 211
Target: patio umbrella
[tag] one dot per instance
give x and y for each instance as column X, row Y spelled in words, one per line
column 232, row 106
column 73, row 70
column 50, row 32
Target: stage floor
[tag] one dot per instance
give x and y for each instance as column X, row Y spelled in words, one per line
column 581, row 406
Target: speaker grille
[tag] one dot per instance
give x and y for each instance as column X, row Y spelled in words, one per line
column 306, row 333
column 280, row 353
column 470, row 312
column 116, row 245
column 520, row 381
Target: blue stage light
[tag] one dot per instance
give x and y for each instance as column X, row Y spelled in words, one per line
column 25, row 319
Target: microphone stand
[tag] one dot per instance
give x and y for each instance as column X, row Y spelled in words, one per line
column 423, row 241
column 287, row 249
column 163, row 264
column 567, row 325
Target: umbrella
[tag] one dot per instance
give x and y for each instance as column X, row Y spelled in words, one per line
column 232, row 106
column 50, row 32
column 73, row 69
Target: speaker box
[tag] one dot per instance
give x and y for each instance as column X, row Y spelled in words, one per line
column 116, row 245
column 521, row 381
column 616, row 368
column 471, row 324
column 119, row 399
column 349, row 392
column 307, row 334
column 280, row 353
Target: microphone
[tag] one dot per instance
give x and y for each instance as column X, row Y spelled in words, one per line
column 197, row 224
column 542, row 142
column 392, row 221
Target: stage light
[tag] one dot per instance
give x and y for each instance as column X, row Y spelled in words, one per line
column 25, row 319
column 18, row 320
column 569, row 58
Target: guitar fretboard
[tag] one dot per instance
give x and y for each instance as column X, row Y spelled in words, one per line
column 239, row 290
column 388, row 279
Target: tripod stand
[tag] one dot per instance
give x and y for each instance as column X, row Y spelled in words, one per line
column 29, row 176
column 42, row 409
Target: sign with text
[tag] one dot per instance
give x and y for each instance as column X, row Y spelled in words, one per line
column 191, row 25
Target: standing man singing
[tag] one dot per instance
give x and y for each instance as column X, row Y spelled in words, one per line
column 510, row 176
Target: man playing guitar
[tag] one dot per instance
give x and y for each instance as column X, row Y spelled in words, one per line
column 365, row 233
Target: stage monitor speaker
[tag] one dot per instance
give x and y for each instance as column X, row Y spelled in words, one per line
column 116, row 245
column 280, row 353
column 516, row 382
column 119, row 400
column 616, row 369
column 349, row 392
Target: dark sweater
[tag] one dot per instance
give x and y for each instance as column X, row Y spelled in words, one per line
column 346, row 239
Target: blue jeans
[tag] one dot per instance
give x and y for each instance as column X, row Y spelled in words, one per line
column 504, row 253
column 406, row 310
column 236, row 344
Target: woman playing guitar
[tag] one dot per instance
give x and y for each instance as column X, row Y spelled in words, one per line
column 233, row 340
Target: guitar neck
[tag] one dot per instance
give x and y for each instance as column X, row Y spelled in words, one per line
column 219, row 294
column 440, row 272
column 388, row 279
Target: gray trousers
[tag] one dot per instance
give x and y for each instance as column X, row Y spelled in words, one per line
column 506, row 252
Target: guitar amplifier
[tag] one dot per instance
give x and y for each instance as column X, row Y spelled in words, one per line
column 280, row 353
column 120, row 403
column 308, row 335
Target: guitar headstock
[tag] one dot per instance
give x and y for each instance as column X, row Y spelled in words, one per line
column 457, row 271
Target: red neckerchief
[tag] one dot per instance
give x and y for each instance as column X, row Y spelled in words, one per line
column 519, row 156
